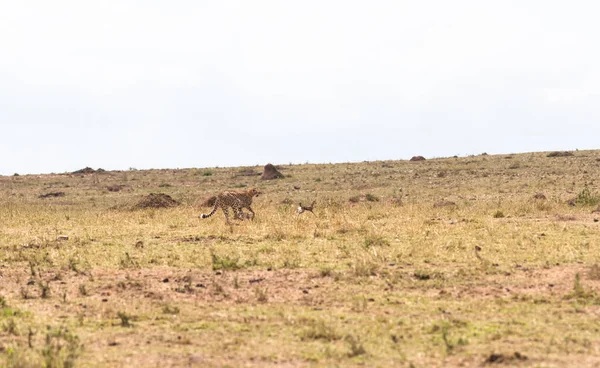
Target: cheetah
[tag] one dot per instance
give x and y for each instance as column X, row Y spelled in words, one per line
column 237, row 201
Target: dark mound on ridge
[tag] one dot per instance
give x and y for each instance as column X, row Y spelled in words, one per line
column 271, row 173
column 156, row 200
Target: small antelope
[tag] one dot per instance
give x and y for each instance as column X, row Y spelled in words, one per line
column 302, row 208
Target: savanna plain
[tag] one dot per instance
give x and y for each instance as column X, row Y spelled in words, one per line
column 486, row 260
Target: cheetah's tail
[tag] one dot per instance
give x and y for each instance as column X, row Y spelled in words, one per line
column 206, row 215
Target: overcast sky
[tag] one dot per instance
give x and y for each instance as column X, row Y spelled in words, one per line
column 154, row 84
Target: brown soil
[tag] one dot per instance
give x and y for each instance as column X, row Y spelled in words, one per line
column 270, row 172
column 156, row 200
column 308, row 287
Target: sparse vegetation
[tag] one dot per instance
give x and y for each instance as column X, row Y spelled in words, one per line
column 371, row 197
column 587, row 198
column 125, row 319
column 384, row 275
column 224, row 262
column 376, row 241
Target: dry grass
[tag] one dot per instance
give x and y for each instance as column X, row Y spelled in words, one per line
column 380, row 276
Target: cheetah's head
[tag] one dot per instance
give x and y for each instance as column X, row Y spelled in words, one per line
column 254, row 192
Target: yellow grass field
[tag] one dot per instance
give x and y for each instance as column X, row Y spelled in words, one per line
column 488, row 260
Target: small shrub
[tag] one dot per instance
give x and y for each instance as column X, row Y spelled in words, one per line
column 219, row 289
column 371, row 198
column 364, row 268
column 74, row 265
column 32, row 265
column 326, row 271
column 125, row 319
column 449, row 345
column 207, row 173
column 319, row 330
column 397, row 201
column 498, row 214
column 292, row 262
column 422, row 275
column 83, row 290
column 62, row 348
column 10, row 327
column 587, row 198
column 375, row 241
column 354, row 199
column 261, row 295
column 356, row 347
column 44, row 289
column 427, row 275
column 128, row 262
column 170, row 310
column 582, row 295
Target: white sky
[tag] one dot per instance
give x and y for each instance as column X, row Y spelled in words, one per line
column 155, row 84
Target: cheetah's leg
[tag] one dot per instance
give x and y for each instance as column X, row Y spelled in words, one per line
column 252, row 212
column 226, row 212
column 238, row 210
column 238, row 213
